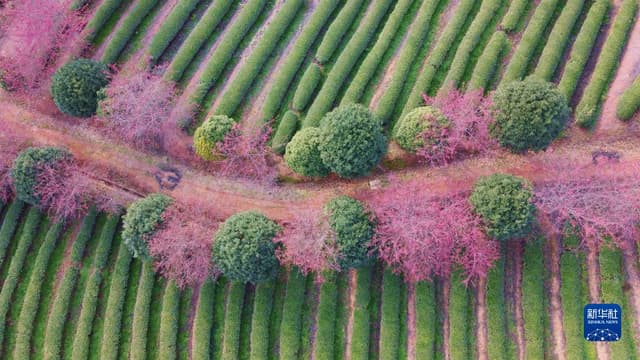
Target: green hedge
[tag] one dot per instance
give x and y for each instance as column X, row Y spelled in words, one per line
column 307, row 87
column 226, row 48
column 345, row 63
column 582, row 47
column 499, row 344
column 286, row 129
column 438, row 54
column 60, row 307
column 31, row 302
column 512, row 18
column 460, row 319
column 9, row 226
column 203, row 321
column 426, row 320
column 115, row 304
column 588, row 109
column 262, row 305
column 571, row 292
column 629, row 101
column 141, row 313
column 420, row 27
column 326, row 318
column 127, row 28
column 197, row 37
column 291, row 325
column 296, row 57
column 336, row 32
column 534, row 300
column 472, row 38
column 100, row 17
column 232, row 321
column 82, row 337
column 170, row 27
column 557, row 42
column 489, row 61
column 390, row 315
column 361, row 329
column 273, row 33
column 533, row 35
column 374, row 57
column 167, row 349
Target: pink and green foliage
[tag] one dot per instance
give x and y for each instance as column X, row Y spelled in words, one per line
column 422, row 236
column 181, row 247
column 34, row 33
column 138, row 108
column 606, row 205
column 469, row 116
column 10, row 145
column 308, row 242
column 246, row 155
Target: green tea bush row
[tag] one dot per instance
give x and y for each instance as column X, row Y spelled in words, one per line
column 9, row 226
column 227, row 46
column 374, row 57
column 460, row 321
column 104, row 12
column 232, row 321
column 308, row 85
column 571, row 292
column 472, row 38
column 438, row 54
column 238, row 88
column 629, row 101
column 31, row 302
column 197, row 37
column 203, row 321
column 499, row 346
column 60, row 307
column 287, row 127
column 296, row 56
column 557, row 43
column 512, row 18
column 291, row 325
column 360, row 331
column 336, row 32
column 170, row 27
column 415, row 40
column 582, row 47
column 587, row 110
column 326, row 318
column 167, row 349
column 262, row 305
column 82, row 337
column 115, row 304
column 426, row 320
column 141, row 313
column 489, row 61
column 611, row 285
column 346, row 62
column 390, row 316
column 531, row 38
column 534, row 303
column 127, row 28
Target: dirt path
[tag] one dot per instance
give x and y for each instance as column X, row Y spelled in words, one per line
column 351, row 296
column 444, row 309
column 192, row 313
column 552, row 262
column 593, row 279
column 517, row 250
column 411, row 321
column 481, row 319
column 633, row 282
column 628, row 70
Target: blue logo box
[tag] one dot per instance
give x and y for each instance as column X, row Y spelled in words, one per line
column 602, row 322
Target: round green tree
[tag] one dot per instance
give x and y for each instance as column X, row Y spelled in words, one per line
column 505, row 203
column 352, row 140
column 411, row 127
column 27, row 167
column 243, row 248
column 75, row 87
column 210, row 133
column 353, row 230
column 528, row 114
column 303, row 155
column 141, row 220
